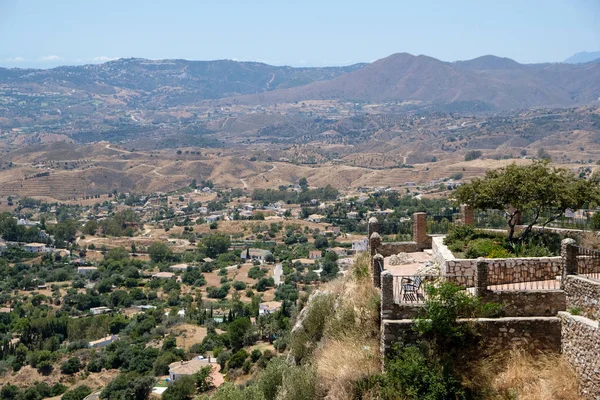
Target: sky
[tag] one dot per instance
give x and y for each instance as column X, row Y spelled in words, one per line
column 48, row 33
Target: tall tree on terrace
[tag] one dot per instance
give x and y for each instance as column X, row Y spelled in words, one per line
column 545, row 191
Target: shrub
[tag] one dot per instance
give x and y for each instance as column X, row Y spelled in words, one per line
column 79, row 393
column 484, row 248
column 472, row 155
column 237, row 360
column 71, row 366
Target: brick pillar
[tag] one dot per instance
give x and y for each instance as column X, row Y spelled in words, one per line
column 467, row 215
column 420, row 229
column 481, row 278
column 568, row 252
column 387, row 294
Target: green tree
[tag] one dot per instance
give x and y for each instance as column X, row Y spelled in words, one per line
column 159, row 252
column 545, row 191
column 71, row 366
column 214, row 244
column 237, row 332
column 79, row 393
column 183, row 388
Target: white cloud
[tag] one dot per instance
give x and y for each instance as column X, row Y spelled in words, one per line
column 102, row 59
column 14, row 60
column 50, row 58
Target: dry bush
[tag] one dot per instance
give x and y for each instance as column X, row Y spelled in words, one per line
column 342, row 362
column 591, row 240
column 523, row 376
column 350, row 347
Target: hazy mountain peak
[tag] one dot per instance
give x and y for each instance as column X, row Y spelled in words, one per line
column 583, row 57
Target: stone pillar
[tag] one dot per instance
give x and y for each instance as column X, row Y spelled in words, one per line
column 374, row 242
column 467, row 215
column 481, row 278
column 420, row 229
column 568, row 252
column 372, row 226
column 387, row 294
column 377, row 269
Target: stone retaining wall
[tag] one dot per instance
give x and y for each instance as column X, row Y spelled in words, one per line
column 501, row 270
column 584, row 294
column 497, row 334
column 580, row 338
column 387, row 249
column 528, row 303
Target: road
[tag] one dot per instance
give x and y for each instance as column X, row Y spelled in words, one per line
column 277, row 274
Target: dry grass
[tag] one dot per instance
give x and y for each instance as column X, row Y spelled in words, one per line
column 350, row 347
column 524, row 376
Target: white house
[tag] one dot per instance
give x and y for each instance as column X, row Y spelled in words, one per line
column 352, row 215
column 163, row 275
column 360, row 245
column 179, row 267
column 100, row 310
column 268, row 307
column 105, row 341
column 315, row 218
column 255, row 254
column 36, row 248
column 187, row 368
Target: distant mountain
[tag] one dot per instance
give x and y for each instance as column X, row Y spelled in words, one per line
column 491, row 81
column 583, row 57
column 188, row 80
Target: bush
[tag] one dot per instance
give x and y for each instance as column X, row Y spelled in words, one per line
column 484, row 248
column 239, row 285
column 472, row 155
column 237, row 360
column 79, row 393
column 71, row 366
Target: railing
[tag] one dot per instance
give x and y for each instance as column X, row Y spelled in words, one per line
column 523, row 277
column 410, row 289
column 588, row 263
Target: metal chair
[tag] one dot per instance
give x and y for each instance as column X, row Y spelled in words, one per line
column 411, row 289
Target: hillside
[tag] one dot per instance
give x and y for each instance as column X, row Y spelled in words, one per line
column 497, row 83
column 583, row 57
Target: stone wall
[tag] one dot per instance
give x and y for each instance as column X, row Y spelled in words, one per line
column 387, row 249
column 580, row 339
column 528, row 303
column 497, row 334
column 584, row 294
column 501, row 270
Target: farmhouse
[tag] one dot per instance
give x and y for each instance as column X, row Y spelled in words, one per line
column 360, row 245
column 268, row 307
column 255, row 254
column 163, row 275
column 314, row 254
column 179, row 267
column 36, row 248
column 187, row 368
column 100, row 310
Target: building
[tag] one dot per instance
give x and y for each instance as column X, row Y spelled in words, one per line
column 352, row 215
column 187, row 368
column 3, row 246
column 268, row 307
column 314, row 254
column 315, row 218
column 179, row 267
column 36, row 248
column 86, row 270
column 105, row 341
column 360, row 245
column 163, row 275
column 255, row 254
column 100, row 310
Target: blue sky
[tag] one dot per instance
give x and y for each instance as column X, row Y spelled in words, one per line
column 46, row 33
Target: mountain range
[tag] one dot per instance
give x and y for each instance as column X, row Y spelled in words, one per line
column 484, row 83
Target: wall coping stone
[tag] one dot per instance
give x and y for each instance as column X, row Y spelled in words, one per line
column 579, row 318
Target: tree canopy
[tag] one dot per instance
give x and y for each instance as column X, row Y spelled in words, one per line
column 545, row 191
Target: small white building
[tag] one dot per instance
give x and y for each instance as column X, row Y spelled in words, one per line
column 315, row 218
column 268, row 307
column 36, row 248
column 100, row 310
column 360, row 245
column 105, row 341
column 163, row 275
column 86, row 270
column 187, row 368
column 352, row 215
column 255, row 254
column 179, row 267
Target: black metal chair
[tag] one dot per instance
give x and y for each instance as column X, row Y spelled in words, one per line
column 411, row 289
